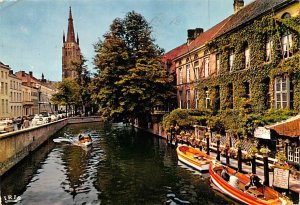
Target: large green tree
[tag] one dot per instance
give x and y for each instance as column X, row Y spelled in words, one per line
column 130, row 77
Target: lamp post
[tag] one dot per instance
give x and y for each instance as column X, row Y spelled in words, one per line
column 218, row 136
column 239, row 153
column 207, row 140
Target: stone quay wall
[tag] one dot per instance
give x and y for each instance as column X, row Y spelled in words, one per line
column 14, row 146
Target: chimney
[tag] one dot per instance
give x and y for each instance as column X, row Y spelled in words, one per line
column 11, row 72
column 192, row 34
column 23, row 73
column 30, row 73
column 198, row 31
column 237, row 5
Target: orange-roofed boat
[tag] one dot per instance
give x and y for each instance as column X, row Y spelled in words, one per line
column 193, row 157
column 260, row 196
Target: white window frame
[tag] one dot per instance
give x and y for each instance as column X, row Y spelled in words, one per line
column 218, row 63
column 269, row 46
column 282, row 88
column 247, row 57
column 196, row 66
column 188, row 73
column 180, row 75
column 287, row 43
column 207, row 99
column 206, row 67
column 196, row 98
column 231, row 60
column 290, row 154
column 296, row 155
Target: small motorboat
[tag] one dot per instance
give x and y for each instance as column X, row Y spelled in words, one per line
column 193, row 157
column 263, row 195
column 84, row 139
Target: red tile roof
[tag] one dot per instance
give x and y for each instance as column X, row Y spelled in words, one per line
column 288, row 128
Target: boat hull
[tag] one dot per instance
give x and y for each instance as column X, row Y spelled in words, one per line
column 238, row 194
column 186, row 155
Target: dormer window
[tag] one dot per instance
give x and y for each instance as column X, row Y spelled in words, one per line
column 287, row 42
column 286, row 15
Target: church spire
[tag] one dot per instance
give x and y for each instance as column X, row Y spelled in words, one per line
column 70, row 35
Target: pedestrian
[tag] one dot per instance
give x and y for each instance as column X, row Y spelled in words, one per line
column 20, row 123
column 26, row 123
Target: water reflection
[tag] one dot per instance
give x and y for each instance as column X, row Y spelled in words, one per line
column 124, row 166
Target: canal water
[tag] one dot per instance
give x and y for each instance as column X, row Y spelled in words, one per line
column 123, row 166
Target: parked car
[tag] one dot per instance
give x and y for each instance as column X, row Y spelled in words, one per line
column 53, row 118
column 6, row 126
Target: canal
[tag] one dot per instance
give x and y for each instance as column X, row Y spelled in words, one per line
column 123, row 166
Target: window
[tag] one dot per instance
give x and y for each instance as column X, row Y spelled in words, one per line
column 247, row 57
column 188, row 99
column 196, row 98
column 286, row 42
column 218, row 63
column 206, row 67
column 282, row 92
column 290, row 154
column 6, row 89
column 231, row 60
column 286, row 15
column 247, row 90
column 180, row 76
column 207, row 99
column 269, row 46
column 180, row 100
column 296, row 155
column 188, row 73
column 196, row 66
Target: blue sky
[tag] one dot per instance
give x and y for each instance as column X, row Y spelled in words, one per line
column 31, row 30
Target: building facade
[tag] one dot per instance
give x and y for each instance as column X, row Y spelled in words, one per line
column 249, row 61
column 15, row 93
column 71, row 55
column 4, row 91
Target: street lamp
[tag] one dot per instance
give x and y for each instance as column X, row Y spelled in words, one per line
column 218, row 137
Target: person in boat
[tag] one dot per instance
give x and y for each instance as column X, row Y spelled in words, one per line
column 234, row 181
column 224, row 174
column 254, row 182
column 80, row 137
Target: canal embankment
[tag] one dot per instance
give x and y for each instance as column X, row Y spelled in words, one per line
column 15, row 146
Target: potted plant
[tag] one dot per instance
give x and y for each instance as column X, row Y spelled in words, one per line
column 264, row 151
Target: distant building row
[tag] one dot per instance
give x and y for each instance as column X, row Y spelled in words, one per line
column 21, row 94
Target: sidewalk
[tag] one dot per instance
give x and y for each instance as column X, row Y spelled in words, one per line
column 294, row 185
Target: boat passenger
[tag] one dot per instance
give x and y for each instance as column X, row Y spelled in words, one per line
column 254, row 182
column 234, row 181
column 80, row 137
column 224, row 174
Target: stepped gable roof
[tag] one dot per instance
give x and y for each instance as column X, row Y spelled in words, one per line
column 252, row 11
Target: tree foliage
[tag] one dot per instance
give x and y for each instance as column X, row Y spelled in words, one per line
column 130, row 79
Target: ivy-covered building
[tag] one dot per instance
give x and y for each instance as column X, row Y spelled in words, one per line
column 249, row 60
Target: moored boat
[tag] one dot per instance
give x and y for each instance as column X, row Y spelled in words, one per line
column 260, row 196
column 193, row 157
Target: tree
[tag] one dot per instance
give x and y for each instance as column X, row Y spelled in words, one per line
column 130, row 78
column 68, row 93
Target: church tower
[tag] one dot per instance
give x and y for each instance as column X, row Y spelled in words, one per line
column 70, row 51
